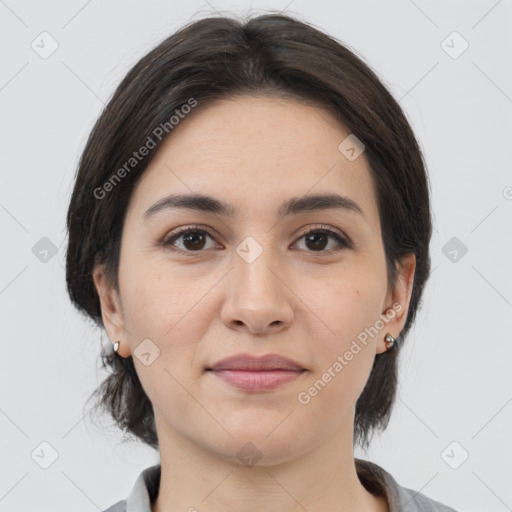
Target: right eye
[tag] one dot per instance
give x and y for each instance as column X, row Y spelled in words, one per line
column 192, row 239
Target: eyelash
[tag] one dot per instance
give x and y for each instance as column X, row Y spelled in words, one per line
column 167, row 243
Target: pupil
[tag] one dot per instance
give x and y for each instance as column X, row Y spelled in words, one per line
column 315, row 236
column 191, row 237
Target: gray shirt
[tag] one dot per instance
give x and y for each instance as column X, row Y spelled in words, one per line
column 375, row 479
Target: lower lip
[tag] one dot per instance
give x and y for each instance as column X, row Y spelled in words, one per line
column 257, row 381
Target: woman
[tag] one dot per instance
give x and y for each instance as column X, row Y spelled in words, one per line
column 250, row 224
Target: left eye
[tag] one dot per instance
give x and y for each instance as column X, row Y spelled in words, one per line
column 193, row 239
column 318, row 239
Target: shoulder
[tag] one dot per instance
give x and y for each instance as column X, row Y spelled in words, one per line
column 120, row 506
column 414, row 501
column 401, row 499
column 144, row 491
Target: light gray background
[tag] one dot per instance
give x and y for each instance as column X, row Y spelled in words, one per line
column 455, row 371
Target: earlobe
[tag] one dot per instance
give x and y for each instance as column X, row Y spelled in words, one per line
column 122, row 349
column 397, row 303
column 111, row 311
column 390, row 341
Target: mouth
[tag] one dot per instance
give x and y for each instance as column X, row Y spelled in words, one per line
column 257, row 374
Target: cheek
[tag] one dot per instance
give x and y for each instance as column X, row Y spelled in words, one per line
column 348, row 305
column 174, row 310
column 159, row 302
column 331, row 392
column 345, row 349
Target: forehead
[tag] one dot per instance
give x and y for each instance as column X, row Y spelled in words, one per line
column 253, row 153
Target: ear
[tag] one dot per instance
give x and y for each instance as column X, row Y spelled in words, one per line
column 397, row 301
column 111, row 311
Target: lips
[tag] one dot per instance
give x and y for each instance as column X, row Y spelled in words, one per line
column 257, row 374
column 251, row 363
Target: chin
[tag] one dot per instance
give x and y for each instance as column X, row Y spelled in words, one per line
column 260, row 443
column 259, row 453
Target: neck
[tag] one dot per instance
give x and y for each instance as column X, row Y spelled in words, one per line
column 194, row 478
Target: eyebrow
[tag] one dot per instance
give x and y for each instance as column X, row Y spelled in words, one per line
column 292, row 206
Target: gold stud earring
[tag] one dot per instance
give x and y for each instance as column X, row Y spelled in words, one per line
column 390, row 341
column 116, row 345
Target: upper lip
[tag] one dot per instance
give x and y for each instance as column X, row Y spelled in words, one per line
column 253, row 363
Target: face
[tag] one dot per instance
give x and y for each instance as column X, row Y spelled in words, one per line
column 307, row 282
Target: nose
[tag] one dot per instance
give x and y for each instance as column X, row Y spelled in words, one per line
column 258, row 298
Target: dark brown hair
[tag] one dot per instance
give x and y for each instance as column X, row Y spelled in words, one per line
column 221, row 57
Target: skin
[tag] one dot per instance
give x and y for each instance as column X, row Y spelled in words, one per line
column 305, row 304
